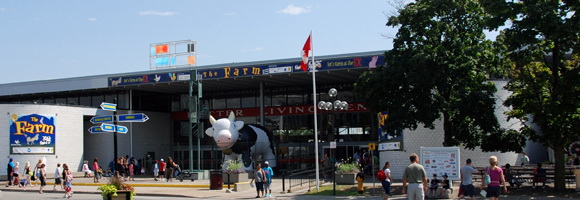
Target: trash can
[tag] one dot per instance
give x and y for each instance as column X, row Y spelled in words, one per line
column 215, row 180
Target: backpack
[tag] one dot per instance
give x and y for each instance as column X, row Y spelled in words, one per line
column 381, row 175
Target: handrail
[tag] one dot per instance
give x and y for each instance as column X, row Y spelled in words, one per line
column 302, row 176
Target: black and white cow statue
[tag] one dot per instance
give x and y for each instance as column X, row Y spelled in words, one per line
column 237, row 140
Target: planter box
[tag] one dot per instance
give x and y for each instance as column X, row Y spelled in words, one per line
column 121, row 195
column 345, row 179
column 235, row 178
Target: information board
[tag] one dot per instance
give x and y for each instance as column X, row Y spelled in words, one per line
column 440, row 161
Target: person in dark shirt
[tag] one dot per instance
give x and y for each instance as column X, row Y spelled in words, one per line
column 446, row 187
column 433, row 186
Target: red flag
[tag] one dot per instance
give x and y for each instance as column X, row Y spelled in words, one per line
column 305, row 50
column 161, row 49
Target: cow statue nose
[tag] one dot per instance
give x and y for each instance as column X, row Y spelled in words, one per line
column 224, row 140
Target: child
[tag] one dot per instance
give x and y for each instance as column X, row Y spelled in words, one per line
column 433, row 187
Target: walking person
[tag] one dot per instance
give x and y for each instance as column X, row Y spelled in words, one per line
column 15, row 175
column 268, row 182
column 9, row 171
column 27, row 174
column 67, row 177
column 57, row 177
column 96, row 169
column 497, row 178
column 169, row 169
column 36, row 171
column 467, row 188
column 388, row 180
column 42, row 177
column 416, row 176
column 162, row 169
column 155, row 170
column 259, row 179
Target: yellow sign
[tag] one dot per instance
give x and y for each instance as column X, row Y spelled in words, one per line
column 372, row 146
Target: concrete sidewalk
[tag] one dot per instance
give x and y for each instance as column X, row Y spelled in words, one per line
column 145, row 186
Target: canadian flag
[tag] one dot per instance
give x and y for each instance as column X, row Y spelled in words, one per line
column 307, row 47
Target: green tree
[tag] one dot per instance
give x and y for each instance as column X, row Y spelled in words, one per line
column 438, row 70
column 542, row 43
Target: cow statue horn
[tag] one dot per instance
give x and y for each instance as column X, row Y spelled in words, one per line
column 211, row 120
column 232, row 117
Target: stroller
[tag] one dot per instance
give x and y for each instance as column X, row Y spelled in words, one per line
column 185, row 174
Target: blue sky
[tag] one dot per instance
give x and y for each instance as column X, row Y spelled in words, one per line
column 59, row 39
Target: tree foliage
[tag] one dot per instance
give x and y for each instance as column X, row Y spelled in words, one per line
column 438, row 70
column 542, row 43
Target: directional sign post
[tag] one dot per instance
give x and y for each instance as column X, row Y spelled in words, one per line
column 109, row 106
column 108, row 127
column 96, row 129
column 138, row 117
column 102, row 119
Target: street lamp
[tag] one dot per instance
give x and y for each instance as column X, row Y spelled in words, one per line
column 335, row 106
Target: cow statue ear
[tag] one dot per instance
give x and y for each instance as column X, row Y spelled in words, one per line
column 209, row 131
column 238, row 125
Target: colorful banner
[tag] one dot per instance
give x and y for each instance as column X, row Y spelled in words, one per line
column 149, row 78
column 32, row 134
column 246, row 71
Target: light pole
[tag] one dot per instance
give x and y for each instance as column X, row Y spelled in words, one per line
column 335, row 105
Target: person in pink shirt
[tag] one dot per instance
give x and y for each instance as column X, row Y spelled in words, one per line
column 497, row 179
column 96, row 170
column 131, row 171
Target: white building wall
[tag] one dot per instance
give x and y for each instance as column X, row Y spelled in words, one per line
column 68, row 136
column 74, row 143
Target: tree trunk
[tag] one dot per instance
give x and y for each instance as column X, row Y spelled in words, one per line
column 560, row 170
column 447, row 129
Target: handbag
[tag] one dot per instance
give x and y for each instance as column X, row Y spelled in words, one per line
column 487, row 179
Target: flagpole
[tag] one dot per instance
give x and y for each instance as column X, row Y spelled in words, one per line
column 315, row 116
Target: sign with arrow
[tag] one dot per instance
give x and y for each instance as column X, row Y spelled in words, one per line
column 109, row 106
column 138, row 117
column 102, row 119
column 108, row 127
column 122, row 129
column 96, row 129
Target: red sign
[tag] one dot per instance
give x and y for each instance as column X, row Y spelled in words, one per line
column 271, row 111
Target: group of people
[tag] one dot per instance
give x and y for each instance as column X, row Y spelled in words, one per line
column 416, row 183
column 263, row 180
column 62, row 176
column 165, row 170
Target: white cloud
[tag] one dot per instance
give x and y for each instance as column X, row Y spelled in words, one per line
column 231, row 14
column 253, row 50
column 294, row 10
column 150, row 12
column 92, row 19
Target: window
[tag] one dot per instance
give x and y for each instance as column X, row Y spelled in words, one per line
column 233, row 102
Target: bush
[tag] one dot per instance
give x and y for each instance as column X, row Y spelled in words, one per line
column 235, row 167
column 346, row 167
column 113, row 186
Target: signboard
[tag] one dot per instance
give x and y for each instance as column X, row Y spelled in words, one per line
column 108, row 127
column 96, row 129
column 122, row 129
column 32, row 134
column 372, row 146
column 102, row 119
column 333, row 145
column 441, row 160
column 109, row 106
column 248, row 71
column 386, row 146
column 139, row 117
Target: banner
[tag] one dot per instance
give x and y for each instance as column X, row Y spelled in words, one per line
column 440, row 161
column 32, row 134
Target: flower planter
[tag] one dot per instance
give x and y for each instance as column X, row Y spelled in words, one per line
column 345, row 179
column 121, row 195
column 235, row 178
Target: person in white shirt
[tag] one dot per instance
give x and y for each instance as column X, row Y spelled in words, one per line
column 87, row 170
column 467, row 181
column 57, row 177
column 388, row 181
